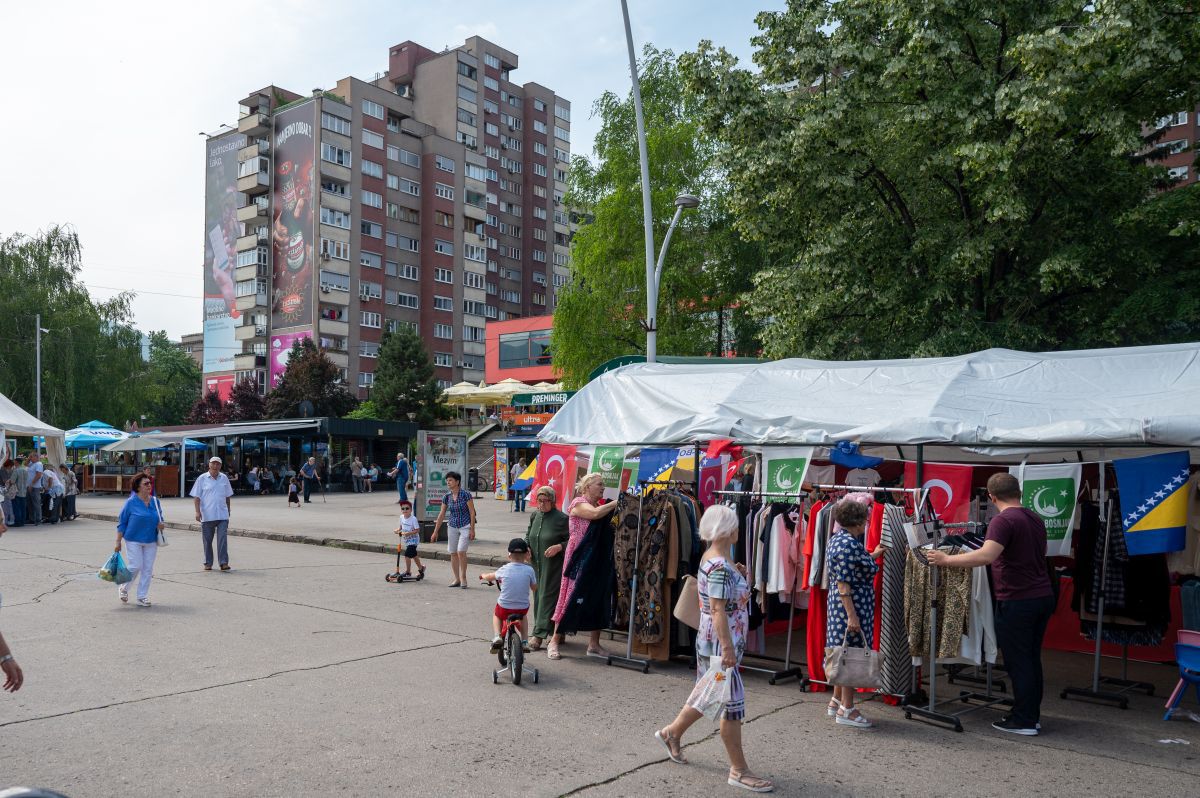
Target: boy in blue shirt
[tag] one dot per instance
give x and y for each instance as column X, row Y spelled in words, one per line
column 517, row 581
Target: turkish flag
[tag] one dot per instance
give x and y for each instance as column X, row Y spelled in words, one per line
column 710, row 480
column 949, row 488
column 556, row 468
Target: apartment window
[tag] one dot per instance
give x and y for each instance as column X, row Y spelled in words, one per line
column 539, row 126
column 372, row 139
column 512, row 99
column 409, row 243
column 366, row 379
column 491, row 243
column 562, row 133
column 410, row 187
column 408, row 301
column 444, row 191
column 368, row 290
column 393, row 152
column 539, row 234
column 473, row 280
column 334, row 187
column 395, row 325
column 409, row 215
column 492, row 220
column 490, row 107
column 335, row 154
column 444, row 163
column 562, row 155
column 474, row 308
column 491, row 83
column 373, row 109
column 513, row 122
column 466, row 70
column 372, row 169
column 407, row 271
column 443, row 275
column 539, row 148
column 371, row 229
column 538, row 298
column 476, row 198
column 443, row 247
column 466, row 117
column 1178, row 173
column 510, row 143
column 492, row 289
column 523, row 349
column 491, row 151
column 491, row 60
column 368, row 349
column 443, row 331
column 392, row 210
column 443, row 219
column 335, row 123
column 372, row 199
column 539, row 255
column 467, row 140
column 560, row 280
column 250, row 287
column 393, row 123
column 1173, row 147
column 539, row 278
column 370, row 319
column 332, row 281
column 560, row 217
column 335, row 218
column 560, row 175
column 467, row 94
column 539, row 191
column 403, row 156
column 443, row 303
column 510, row 208
column 390, row 240
column 475, row 172
column 1173, row 120
column 443, row 359
column 393, row 182
column 539, row 169
column 491, row 129
column 473, row 334
column 560, row 259
column 339, row 250
column 511, row 296
column 539, row 212
column 562, row 113
column 475, row 253
column 510, row 274
column 539, row 106
column 370, row 259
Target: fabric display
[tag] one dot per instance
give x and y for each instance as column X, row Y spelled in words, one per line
column 1187, row 562
column 896, row 665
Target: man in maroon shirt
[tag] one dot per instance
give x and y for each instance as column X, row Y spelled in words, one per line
column 1016, row 549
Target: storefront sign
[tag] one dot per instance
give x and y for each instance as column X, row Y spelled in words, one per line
column 532, row 399
column 532, row 419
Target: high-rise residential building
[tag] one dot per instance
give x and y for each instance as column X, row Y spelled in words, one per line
column 1176, row 145
column 192, row 345
column 429, row 197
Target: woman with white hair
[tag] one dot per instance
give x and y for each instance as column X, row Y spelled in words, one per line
column 721, row 639
column 585, row 508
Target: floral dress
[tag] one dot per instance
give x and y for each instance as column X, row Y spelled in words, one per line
column 577, row 527
column 721, row 580
column 849, row 562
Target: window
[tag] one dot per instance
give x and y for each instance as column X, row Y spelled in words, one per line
column 444, row 191
column 372, row 169
column 492, row 289
column 561, row 280
column 368, row 349
column 390, row 240
column 410, row 187
column 539, row 148
column 371, row 229
column 491, row 151
column 335, row 154
column 443, row 331
column 395, row 325
column 524, row 349
column 560, row 217
column 510, row 207
column 562, row 133
column 393, row 123
column 539, row 106
column 443, row 359
column 539, row 278
column 368, row 290
column 408, row 301
column 473, row 280
column 335, row 123
column 474, row 308
column 560, row 259
column 1173, row 120
column 539, row 255
column 562, row 113
column 539, row 191
column 1173, row 147
column 372, row 199
column 370, row 259
column 490, row 107
column 473, row 334
column 372, row 139
column 334, row 187
column 366, row 379
column 511, row 296
column 562, row 155
column 443, row 275
column 393, row 182
column 539, row 126
column 466, row 70
column 475, row 253
column 332, row 281
column 510, row 274
column 443, row 247
column 491, row 129
column 512, row 100
column 373, row 109
column 539, row 234
column 476, row 198
column 492, row 220
column 370, row 319
column 491, row 83
column 539, row 212
column 443, row 219
column 467, row 94
column 444, row 163
column 409, row 243
column 339, row 250
column 443, row 303
column 408, row 271
column 335, row 218
column 475, row 172
column 466, row 117
column 251, row 287
column 513, row 122
column 1178, row 173
column 403, row 156
column 491, row 60
column 539, row 169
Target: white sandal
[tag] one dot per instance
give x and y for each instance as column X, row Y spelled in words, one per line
column 832, row 709
column 852, row 718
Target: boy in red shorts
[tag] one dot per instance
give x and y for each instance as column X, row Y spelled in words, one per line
column 517, row 581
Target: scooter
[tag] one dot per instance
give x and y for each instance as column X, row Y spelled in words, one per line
column 399, row 576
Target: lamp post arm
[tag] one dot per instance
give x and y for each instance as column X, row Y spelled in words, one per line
column 662, row 256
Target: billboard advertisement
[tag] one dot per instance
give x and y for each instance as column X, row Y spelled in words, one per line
column 437, row 455
column 293, row 216
column 222, row 384
column 281, row 352
column 220, row 257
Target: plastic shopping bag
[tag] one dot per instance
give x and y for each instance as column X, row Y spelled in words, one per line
column 115, row 570
column 712, row 690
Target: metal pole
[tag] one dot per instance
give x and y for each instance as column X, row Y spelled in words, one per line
column 647, row 210
column 38, row 366
column 1104, row 532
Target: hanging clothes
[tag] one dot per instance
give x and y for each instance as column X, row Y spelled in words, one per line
column 954, row 605
column 896, row 661
column 585, row 598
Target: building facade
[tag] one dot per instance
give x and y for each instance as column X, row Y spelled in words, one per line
column 192, row 345
column 429, row 197
column 519, row 349
column 1175, row 147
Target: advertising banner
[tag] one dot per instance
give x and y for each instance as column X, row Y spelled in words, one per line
column 1051, row 491
column 293, row 216
column 784, row 468
column 221, row 383
column 437, row 455
column 281, row 352
column 220, row 255
column 501, row 481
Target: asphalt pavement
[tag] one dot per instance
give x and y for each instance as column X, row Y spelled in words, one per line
column 301, row 672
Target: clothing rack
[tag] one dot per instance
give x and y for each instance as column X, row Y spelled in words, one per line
column 789, row 670
column 1094, row 693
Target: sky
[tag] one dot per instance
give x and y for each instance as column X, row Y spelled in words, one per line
column 117, row 94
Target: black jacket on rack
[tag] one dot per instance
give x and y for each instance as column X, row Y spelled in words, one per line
column 591, row 566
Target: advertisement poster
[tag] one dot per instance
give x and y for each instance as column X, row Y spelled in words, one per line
column 438, row 454
column 1050, row 491
column 281, row 352
column 222, row 384
column 501, row 480
column 293, row 216
column 220, row 255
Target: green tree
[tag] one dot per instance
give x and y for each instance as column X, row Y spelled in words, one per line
column 405, row 381
column 245, row 403
column 173, row 383
column 599, row 314
column 92, row 363
column 310, row 376
column 932, row 178
column 365, row 410
column 208, row 409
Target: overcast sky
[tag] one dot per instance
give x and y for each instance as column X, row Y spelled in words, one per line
column 116, row 94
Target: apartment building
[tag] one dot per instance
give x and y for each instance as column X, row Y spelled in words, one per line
column 428, row 197
column 1176, row 146
column 192, row 345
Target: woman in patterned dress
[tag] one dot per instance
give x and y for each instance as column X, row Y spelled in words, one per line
column 724, row 620
column 584, row 509
column 850, row 609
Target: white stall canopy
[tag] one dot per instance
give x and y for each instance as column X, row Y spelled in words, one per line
column 995, row 402
column 15, row 422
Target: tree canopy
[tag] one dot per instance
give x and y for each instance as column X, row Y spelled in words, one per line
column 245, row 403
column 172, row 385
column 310, row 376
column 933, row 178
column 405, row 381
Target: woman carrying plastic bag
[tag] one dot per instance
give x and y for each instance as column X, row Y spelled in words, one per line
column 139, row 525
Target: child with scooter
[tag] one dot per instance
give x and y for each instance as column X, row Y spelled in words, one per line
column 410, row 535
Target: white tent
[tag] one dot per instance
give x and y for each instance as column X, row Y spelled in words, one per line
column 15, row 421
column 988, row 403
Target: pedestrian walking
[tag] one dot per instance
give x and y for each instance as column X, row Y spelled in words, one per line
column 211, row 493
column 311, row 476
column 138, row 526
column 519, row 496
column 33, row 495
column 356, row 474
column 401, row 473
column 71, row 490
column 458, row 510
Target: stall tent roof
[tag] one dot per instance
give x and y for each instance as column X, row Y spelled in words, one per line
column 247, row 428
column 985, row 402
column 15, row 421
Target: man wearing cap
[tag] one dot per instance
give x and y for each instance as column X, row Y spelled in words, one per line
column 211, row 494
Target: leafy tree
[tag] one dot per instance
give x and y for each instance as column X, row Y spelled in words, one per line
column 932, row 178
column 209, row 409
column 599, row 314
column 245, row 403
column 310, row 376
column 92, row 364
column 365, row 410
column 173, row 384
column 405, row 382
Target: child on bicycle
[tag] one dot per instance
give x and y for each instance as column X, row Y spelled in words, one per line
column 517, row 581
column 410, row 535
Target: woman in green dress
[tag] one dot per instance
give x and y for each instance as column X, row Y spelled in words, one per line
column 547, row 535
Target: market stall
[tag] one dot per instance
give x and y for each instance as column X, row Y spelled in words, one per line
column 16, row 423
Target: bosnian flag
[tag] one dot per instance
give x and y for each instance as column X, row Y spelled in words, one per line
column 1154, row 502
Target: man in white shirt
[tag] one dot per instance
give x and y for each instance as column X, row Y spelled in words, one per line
column 52, row 485
column 33, row 493
column 211, row 494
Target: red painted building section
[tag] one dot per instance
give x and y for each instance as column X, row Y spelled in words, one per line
column 519, row 349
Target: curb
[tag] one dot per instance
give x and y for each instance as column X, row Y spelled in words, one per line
column 488, row 560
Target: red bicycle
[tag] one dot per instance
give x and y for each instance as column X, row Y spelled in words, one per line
column 512, row 650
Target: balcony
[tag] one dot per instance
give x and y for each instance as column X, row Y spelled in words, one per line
column 254, row 149
column 330, row 327
column 336, row 202
column 254, row 183
column 251, row 302
column 336, row 171
column 252, row 241
column 340, row 359
column 330, row 296
column 251, row 271
column 250, row 332
column 248, row 360
column 253, row 214
column 254, row 124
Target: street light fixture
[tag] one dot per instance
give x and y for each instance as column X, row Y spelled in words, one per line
column 682, row 202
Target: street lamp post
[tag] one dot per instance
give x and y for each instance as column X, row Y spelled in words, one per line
column 682, row 202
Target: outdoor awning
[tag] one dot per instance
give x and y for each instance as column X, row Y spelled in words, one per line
column 516, row 443
column 250, row 428
column 14, row 420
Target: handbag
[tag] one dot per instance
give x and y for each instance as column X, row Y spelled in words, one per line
column 687, row 608
column 847, row 666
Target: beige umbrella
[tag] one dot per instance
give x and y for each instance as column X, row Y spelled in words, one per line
column 549, row 387
column 137, row 443
column 503, row 391
column 463, row 393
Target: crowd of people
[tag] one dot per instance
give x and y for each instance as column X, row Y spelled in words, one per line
column 34, row 493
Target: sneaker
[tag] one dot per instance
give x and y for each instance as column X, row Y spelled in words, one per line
column 144, row 602
column 1006, row 718
column 1012, row 727
column 497, row 644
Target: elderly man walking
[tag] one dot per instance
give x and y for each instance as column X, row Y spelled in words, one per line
column 211, row 494
column 33, row 494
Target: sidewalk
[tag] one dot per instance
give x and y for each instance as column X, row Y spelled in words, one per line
column 360, row 521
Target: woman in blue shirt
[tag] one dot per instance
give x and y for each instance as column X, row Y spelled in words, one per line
column 139, row 525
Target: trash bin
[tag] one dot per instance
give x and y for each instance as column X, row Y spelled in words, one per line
column 473, row 480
